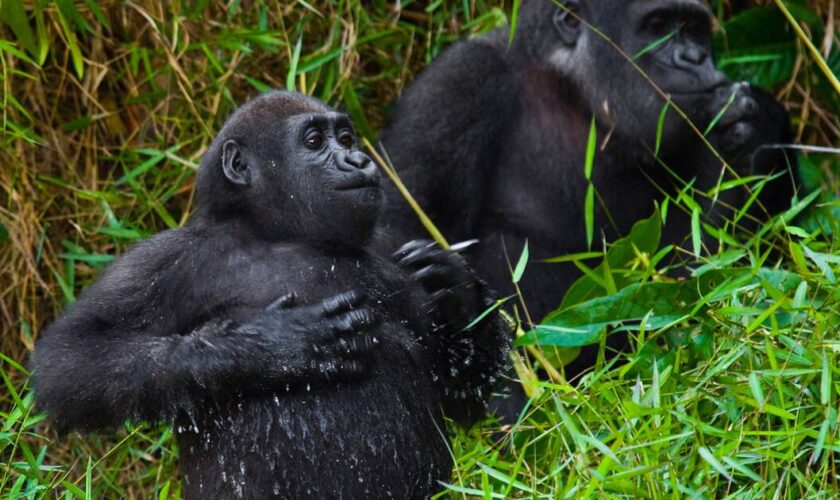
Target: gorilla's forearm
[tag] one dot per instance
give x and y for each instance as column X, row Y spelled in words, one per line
column 89, row 380
column 752, row 146
column 770, row 158
column 469, row 361
column 475, row 362
column 91, row 376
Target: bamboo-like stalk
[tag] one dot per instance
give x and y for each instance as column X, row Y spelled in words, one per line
column 395, row 178
column 810, row 46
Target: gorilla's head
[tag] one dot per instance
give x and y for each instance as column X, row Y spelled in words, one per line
column 670, row 40
column 289, row 167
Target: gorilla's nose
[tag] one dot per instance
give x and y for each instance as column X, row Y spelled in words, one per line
column 693, row 55
column 355, row 160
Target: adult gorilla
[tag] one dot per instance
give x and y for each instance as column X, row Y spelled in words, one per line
column 295, row 357
column 491, row 138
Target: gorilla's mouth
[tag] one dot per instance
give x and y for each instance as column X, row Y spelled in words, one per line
column 696, row 91
column 690, row 93
column 358, row 183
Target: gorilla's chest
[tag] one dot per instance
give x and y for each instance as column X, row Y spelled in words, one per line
column 251, row 278
column 373, row 436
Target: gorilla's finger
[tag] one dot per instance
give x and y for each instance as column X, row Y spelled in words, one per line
column 342, row 302
column 334, row 368
column 445, row 297
column 284, row 302
column 356, row 345
column 347, row 346
column 351, row 367
column 410, row 247
column 435, row 276
column 355, row 320
column 463, row 245
column 426, row 256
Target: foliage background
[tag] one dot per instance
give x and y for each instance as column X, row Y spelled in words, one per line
column 107, row 107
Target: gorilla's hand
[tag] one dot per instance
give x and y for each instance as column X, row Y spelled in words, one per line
column 456, row 296
column 328, row 339
column 738, row 132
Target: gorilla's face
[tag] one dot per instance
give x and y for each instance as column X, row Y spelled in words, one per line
column 324, row 147
column 669, row 40
column 319, row 175
column 293, row 169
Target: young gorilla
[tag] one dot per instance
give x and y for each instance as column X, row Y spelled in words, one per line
column 295, row 358
column 492, row 137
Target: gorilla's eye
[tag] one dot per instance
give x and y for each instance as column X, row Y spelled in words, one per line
column 314, row 140
column 657, row 25
column 695, row 28
column 346, row 140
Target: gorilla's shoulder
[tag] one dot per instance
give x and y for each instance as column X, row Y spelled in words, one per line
column 470, row 63
column 151, row 258
column 469, row 85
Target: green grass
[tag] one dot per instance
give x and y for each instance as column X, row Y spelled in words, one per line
column 734, row 387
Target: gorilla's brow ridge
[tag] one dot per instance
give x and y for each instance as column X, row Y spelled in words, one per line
column 324, row 118
column 691, row 7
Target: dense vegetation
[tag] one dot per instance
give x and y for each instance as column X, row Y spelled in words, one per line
column 734, row 388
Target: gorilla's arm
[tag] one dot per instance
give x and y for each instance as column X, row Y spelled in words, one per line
column 466, row 361
column 114, row 355
column 117, row 355
column 772, row 128
column 443, row 137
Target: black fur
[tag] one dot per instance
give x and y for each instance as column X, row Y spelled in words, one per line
column 295, row 358
column 491, row 137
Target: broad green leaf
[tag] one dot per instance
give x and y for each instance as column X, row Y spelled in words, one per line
column 514, row 20
column 659, row 303
column 292, row 74
column 710, row 458
column 696, row 238
column 822, row 262
column 825, row 381
column 644, row 237
column 755, row 387
column 519, row 270
column 589, row 214
column 660, row 125
column 66, row 13
column 13, row 14
column 591, row 144
column 757, row 45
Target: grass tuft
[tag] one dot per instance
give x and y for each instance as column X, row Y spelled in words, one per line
column 733, row 386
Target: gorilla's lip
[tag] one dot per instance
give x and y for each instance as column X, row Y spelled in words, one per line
column 694, row 92
column 362, row 183
column 690, row 93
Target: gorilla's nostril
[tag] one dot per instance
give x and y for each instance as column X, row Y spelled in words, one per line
column 358, row 161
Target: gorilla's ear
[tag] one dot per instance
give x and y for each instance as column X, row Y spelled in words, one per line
column 566, row 21
column 233, row 164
